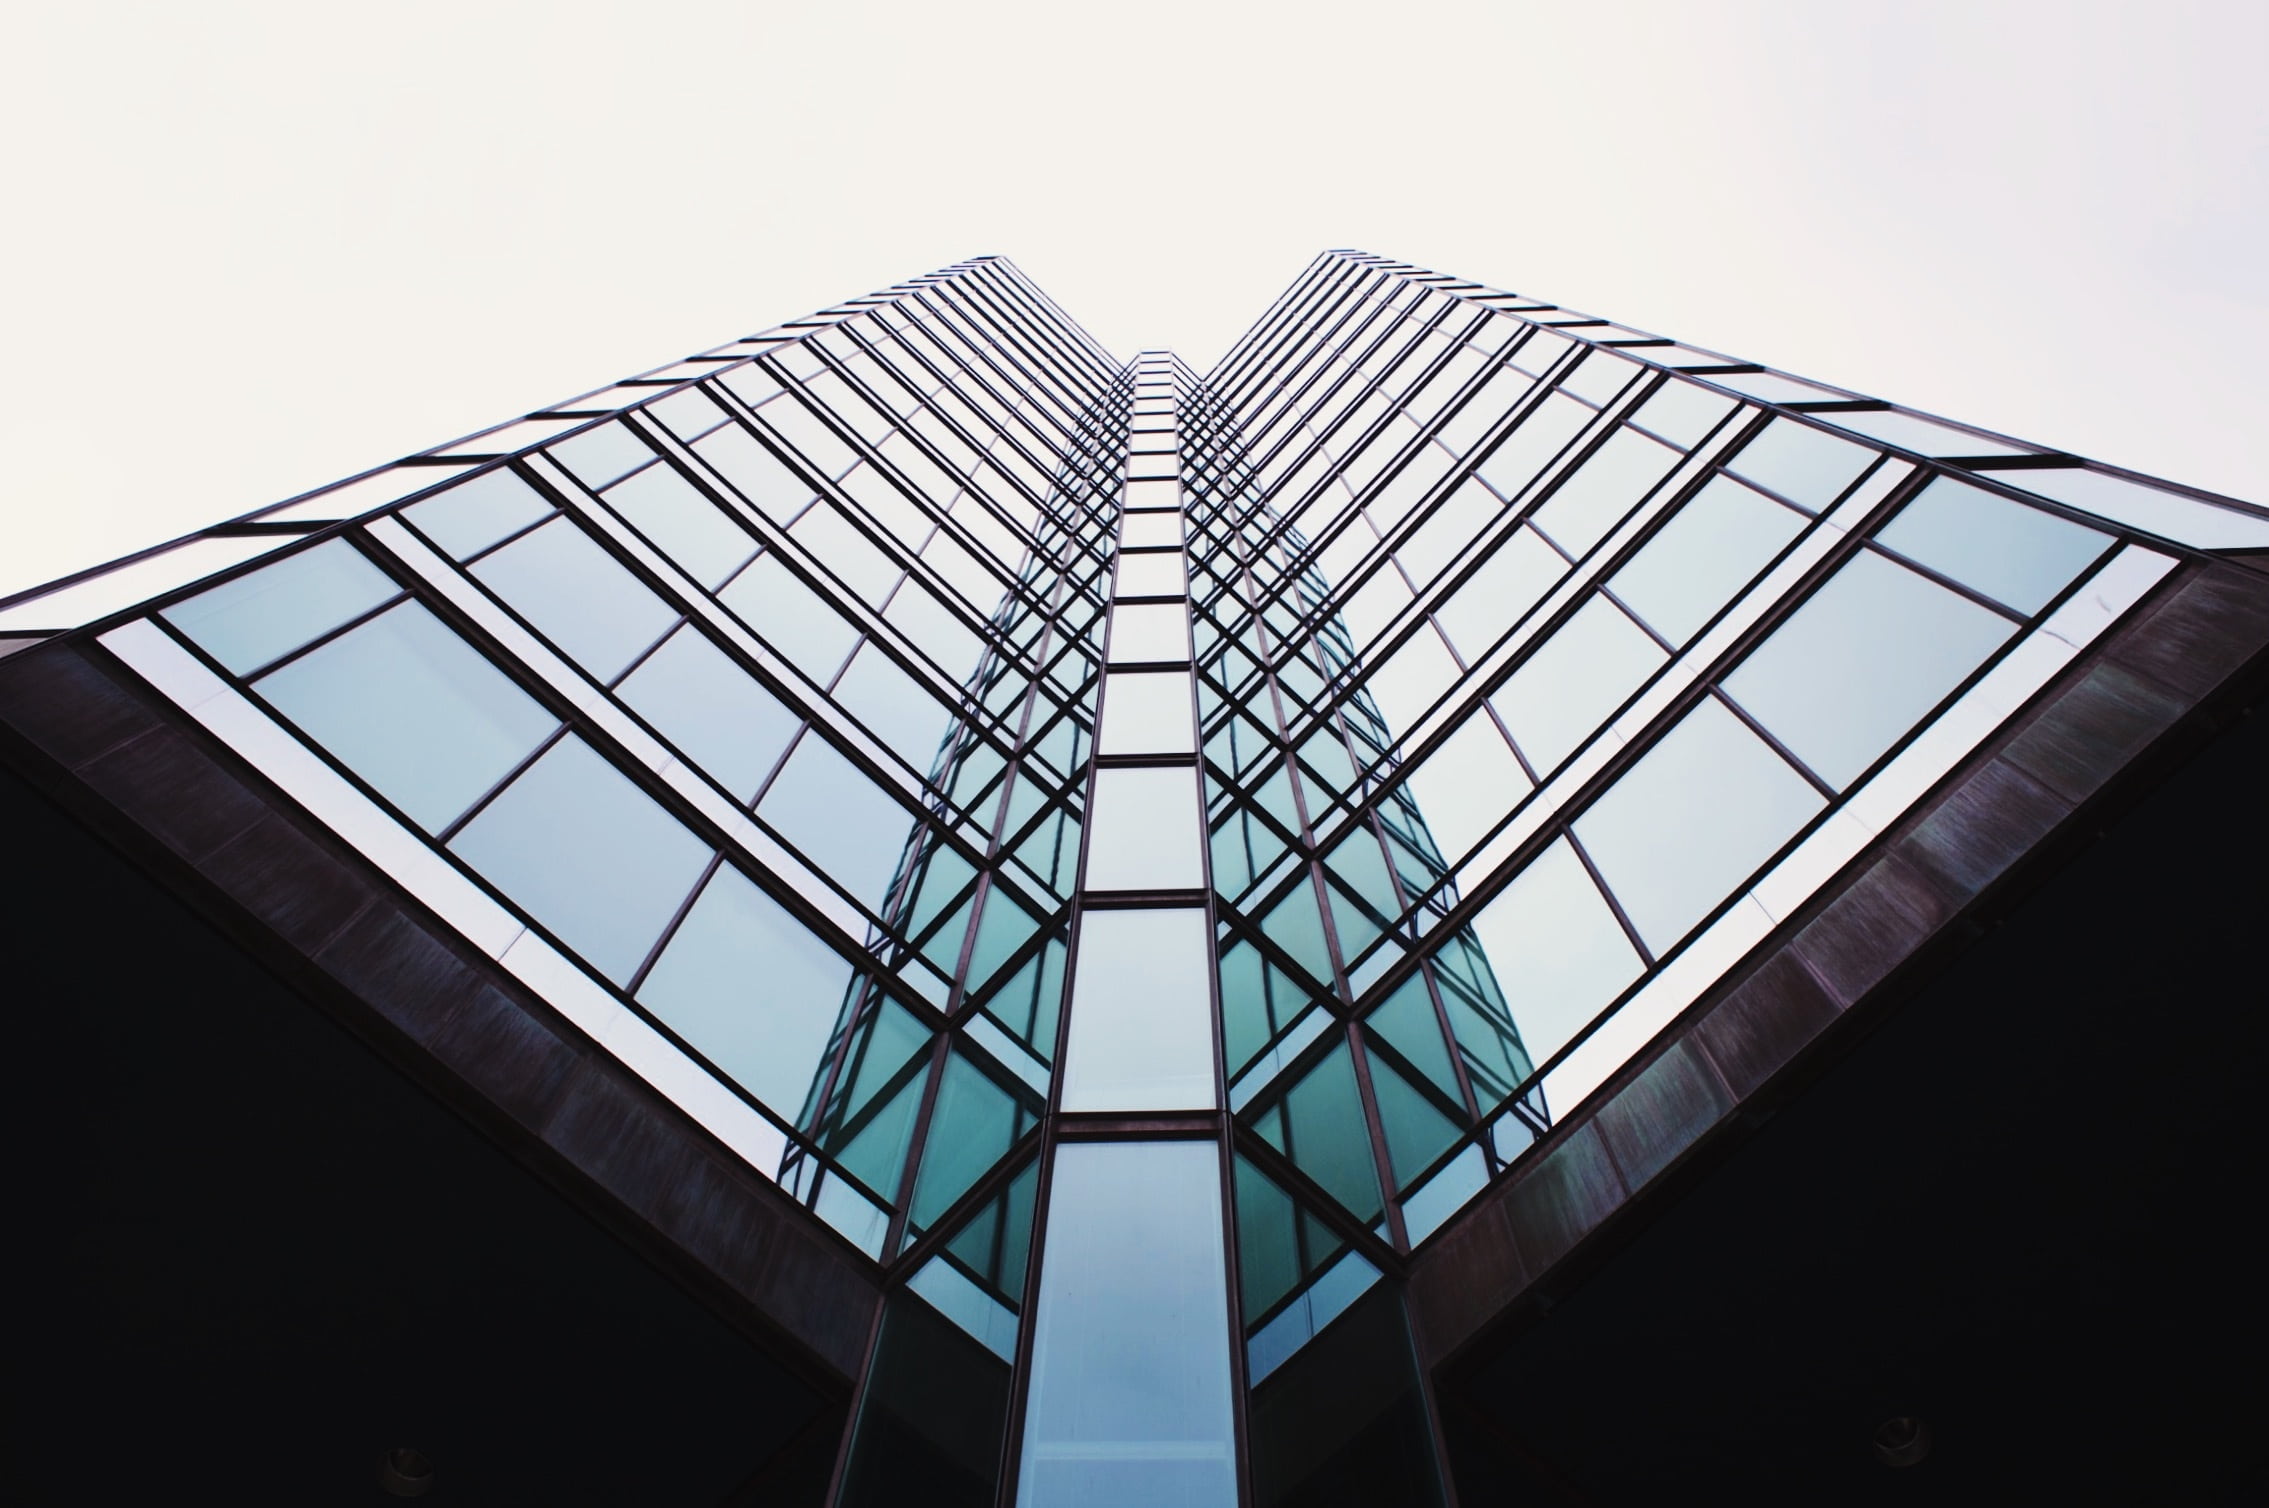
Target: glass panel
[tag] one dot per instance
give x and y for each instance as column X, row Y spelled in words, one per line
column 715, row 712
column 125, row 585
column 1157, row 574
column 1541, row 435
column 682, row 524
column 1493, row 598
column 588, row 854
column 478, row 514
column 756, row 473
column 1556, row 946
column 1574, row 680
column 855, row 559
column 1863, row 659
column 414, row 710
column 797, row 622
column 895, row 707
column 1141, row 1013
column 1689, row 822
column 752, row 990
column 972, row 1126
column 1143, row 530
column 826, row 806
column 1144, row 831
column 1467, row 784
column 247, row 622
column 1130, row 1399
column 578, row 596
column 1150, row 631
column 1609, row 483
column 2152, row 509
column 1319, row 1124
column 1809, row 467
column 1148, row 713
column 1710, row 547
column 2018, row 556
column 599, row 456
column 931, row 1418
column 1682, row 412
column 1919, row 435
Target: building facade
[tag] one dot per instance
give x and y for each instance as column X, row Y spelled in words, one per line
column 1123, row 923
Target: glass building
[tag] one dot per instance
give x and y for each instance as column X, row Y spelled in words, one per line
column 1128, row 924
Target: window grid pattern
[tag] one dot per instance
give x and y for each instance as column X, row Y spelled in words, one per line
column 1449, row 685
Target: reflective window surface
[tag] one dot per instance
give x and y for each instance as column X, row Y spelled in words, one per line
column 1144, row 833
column 1141, row 1013
column 414, row 710
column 1130, row 1400
column 750, row 989
column 1860, row 661
column 1691, row 819
column 254, row 619
column 587, row 853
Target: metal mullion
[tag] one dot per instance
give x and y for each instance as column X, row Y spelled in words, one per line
column 1262, row 348
column 1811, row 777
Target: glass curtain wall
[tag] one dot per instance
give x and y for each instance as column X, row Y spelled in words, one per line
column 1135, row 853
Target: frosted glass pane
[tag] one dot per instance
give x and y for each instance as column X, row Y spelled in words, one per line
column 1130, row 1402
column 1141, row 1013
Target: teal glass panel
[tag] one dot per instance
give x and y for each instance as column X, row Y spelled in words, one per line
column 1861, row 661
column 1319, row 1124
column 576, row 843
column 414, row 710
column 1031, row 1002
column 1297, row 926
column 1417, row 1130
column 1258, row 1001
column 720, row 717
column 974, row 1124
column 1406, row 1020
column 752, row 990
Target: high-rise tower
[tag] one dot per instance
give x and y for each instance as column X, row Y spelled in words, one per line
column 1126, row 925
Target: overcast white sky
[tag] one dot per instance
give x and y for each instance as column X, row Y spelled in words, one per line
column 252, row 247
